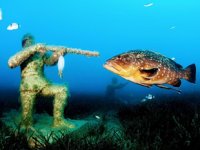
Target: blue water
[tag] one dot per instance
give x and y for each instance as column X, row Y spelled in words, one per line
column 108, row 26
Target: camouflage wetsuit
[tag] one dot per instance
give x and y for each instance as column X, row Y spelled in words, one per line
column 32, row 60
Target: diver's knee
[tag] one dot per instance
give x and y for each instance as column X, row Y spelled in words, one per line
column 62, row 91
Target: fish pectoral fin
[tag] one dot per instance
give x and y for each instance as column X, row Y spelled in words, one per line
column 168, row 88
column 176, row 83
column 146, row 85
column 148, row 73
column 146, row 78
column 162, row 86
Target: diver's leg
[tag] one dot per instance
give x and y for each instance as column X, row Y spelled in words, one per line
column 27, row 102
column 60, row 94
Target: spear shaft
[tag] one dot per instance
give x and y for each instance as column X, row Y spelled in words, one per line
column 71, row 50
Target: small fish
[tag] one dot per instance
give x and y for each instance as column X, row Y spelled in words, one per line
column 149, row 97
column 173, row 27
column 1, row 14
column 148, row 68
column 13, row 26
column 61, row 65
column 173, row 58
column 143, row 100
column 97, row 117
column 148, row 5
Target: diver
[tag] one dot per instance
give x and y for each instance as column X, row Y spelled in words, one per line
column 32, row 59
column 112, row 87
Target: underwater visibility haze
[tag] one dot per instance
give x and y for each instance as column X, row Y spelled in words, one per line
column 110, row 27
column 105, row 29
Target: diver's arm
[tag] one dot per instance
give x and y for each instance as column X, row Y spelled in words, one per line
column 23, row 55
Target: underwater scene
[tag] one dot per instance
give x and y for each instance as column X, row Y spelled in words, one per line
column 109, row 74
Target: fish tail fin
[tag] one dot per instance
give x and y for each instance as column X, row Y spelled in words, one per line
column 190, row 73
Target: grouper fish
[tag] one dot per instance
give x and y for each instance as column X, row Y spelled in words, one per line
column 149, row 68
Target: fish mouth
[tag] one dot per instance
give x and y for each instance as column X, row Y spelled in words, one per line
column 110, row 66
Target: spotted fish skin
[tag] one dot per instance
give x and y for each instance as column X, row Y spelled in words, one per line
column 149, row 68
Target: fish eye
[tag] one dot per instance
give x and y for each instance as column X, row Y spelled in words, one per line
column 118, row 56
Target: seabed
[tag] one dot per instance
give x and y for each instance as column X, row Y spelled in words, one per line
column 42, row 129
column 169, row 122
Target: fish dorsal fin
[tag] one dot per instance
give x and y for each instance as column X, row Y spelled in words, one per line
column 176, row 83
column 149, row 72
column 176, row 64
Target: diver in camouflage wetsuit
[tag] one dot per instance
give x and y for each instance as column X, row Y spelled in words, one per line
column 32, row 60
